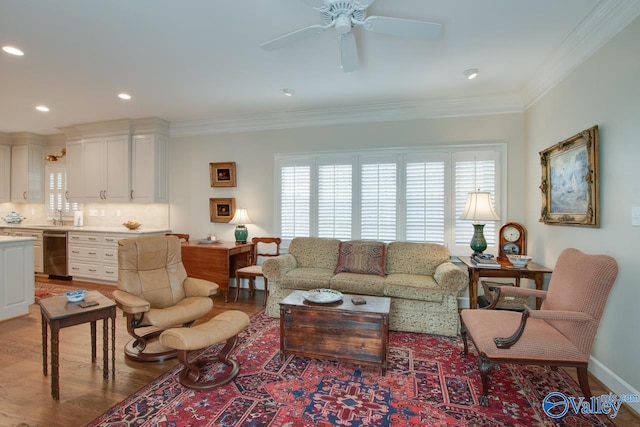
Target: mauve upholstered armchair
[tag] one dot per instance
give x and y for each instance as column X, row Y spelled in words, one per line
column 561, row 333
column 155, row 293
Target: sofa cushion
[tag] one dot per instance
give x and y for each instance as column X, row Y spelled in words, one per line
column 415, row 258
column 307, row 278
column 362, row 284
column 315, row 252
column 361, row 257
column 413, row 287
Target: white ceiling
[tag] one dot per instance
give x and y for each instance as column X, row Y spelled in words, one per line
column 197, row 63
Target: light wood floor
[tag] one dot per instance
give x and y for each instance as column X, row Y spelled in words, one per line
column 25, row 394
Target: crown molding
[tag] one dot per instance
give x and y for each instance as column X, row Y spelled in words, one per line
column 353, row 114
column 603, row 22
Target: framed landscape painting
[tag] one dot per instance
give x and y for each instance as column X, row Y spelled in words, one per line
column 570, row 181
column 223, row 174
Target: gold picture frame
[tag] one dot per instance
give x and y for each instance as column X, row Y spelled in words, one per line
column 222, row 174
column 222, row 210
column 570, row 181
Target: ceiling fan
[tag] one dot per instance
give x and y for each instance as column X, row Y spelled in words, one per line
column 343, row 15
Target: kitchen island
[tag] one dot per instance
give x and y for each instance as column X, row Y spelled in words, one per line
column 16, row 276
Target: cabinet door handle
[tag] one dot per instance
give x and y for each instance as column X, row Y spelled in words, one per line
column 92, row 253
column 66, row 194
column 105, row 195
column 24, row 195
column 132, row 194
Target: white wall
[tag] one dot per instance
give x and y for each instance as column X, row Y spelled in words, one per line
column 254, row 155
column 604, row 91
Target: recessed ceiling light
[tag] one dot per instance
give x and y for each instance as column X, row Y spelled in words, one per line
column 124, row 96
column 12, row 50
column 471, row 73
column 42, row 108
column 288, row 92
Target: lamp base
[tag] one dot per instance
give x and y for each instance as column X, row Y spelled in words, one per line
column 241, row 234
column 478, row 242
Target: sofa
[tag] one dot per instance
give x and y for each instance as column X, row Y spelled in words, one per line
column 420, row 279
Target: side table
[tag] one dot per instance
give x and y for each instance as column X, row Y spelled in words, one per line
column 531, row 271
column 59, row 313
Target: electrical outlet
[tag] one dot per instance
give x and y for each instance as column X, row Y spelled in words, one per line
column 118, row 213
column 93, row 212
column 102, row 213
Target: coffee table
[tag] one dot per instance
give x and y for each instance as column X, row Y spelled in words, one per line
column 340, row 331
column 58, row 313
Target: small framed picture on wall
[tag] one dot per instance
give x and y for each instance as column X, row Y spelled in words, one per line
column 222, row 210
column 223, row 174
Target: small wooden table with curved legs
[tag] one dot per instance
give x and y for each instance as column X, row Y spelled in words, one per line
column 58, row 313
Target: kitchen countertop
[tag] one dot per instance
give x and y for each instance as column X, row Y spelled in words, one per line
column 87, row 228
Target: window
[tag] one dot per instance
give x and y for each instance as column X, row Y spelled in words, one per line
column 387, row 195
column 55, row 189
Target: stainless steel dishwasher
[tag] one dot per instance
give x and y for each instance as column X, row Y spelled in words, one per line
column 55, row 253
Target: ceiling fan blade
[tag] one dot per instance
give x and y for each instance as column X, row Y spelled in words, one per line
column 318, row 4
column 363, row 4
column 282, row 41
column 402, row 27
column 348, row 53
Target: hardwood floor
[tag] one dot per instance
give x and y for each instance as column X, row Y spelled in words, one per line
column 25, row 397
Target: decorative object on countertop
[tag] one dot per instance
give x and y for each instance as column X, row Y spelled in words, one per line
column 132, row 224
column 519, row 261
column 570, row 181
column 479, row 208
column 223, row 174
column 240, row 219
column 76, row 296
column 222, row 210
column 13, row 218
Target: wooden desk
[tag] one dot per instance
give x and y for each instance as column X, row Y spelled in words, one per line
column 531, row 271
column 59, row 313
column 216, row 262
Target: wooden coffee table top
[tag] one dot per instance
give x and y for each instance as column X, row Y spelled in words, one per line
column 373, row 305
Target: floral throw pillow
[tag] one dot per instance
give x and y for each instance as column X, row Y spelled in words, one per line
column 361, row 257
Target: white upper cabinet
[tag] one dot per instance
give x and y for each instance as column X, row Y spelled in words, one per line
column 75, row 171
column 149, row 165
column 5, row 173
column 27, row 170
column 106, row 169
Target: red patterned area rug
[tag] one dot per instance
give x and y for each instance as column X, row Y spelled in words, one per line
column 427, row 384
column 44, row 289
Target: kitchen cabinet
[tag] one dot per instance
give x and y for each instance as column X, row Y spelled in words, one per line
column 27, row 173
column 94, row 256
column 5, row 173
column 16, row 280
column 149, row 169
column 75, row 171
column 38, row 253
column 106, row 169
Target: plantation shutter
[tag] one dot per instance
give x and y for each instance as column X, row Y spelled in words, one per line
column 55, row 190
column 335, row 201
column 295, row 201
column 425, row 201
column 473, row 172
column 378, row 205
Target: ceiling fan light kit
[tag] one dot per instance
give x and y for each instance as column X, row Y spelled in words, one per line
column 343, row 15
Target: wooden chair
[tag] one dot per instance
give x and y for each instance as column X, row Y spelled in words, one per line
column 561, row 333
column 254, row 270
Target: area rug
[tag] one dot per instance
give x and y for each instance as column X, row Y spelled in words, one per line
column 428, row 383
column 48, row 289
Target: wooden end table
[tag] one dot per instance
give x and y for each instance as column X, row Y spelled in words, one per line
column 531, row 271
column 340, row 331
column 59, row 313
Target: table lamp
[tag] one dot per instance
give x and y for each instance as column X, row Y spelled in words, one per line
column 479, row 208
column 241, row 218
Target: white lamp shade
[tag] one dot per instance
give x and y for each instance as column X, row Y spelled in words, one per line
column 241, row 217
column 479, row 207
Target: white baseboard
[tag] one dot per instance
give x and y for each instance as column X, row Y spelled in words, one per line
column 613, row 382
